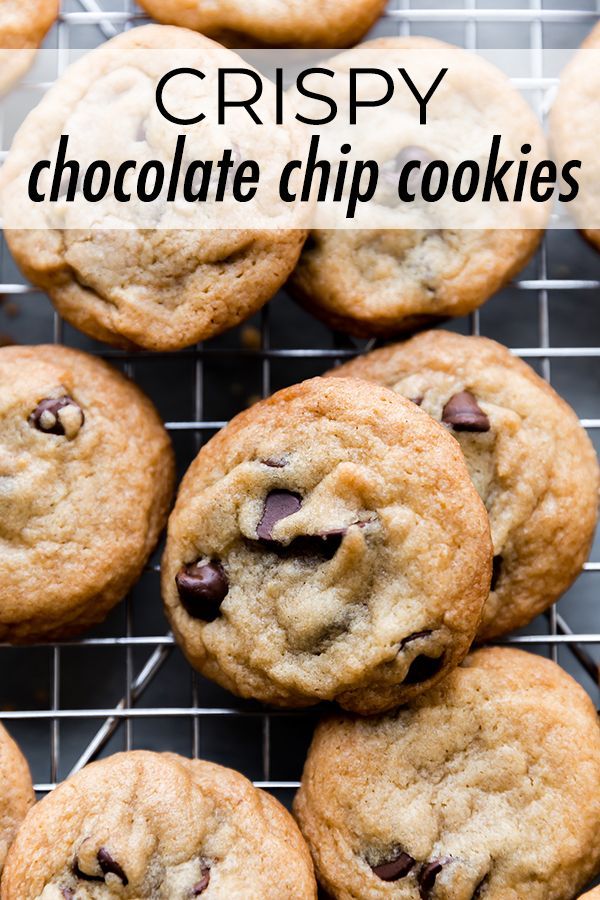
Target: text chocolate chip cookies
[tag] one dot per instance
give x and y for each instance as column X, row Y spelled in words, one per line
column 532, row 463
column 23, row 26
column 86, row 478
column 385, row 281
column 294, row 23
column 150, row 826
column 16, row 795
column 328, row 544
column 162, row 287
column 487, row 786
column 573, row 127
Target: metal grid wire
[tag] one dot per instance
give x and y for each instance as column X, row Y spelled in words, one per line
column 108, row 712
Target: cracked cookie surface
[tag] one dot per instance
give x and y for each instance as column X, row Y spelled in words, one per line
column 327, row 544
column 156, row 826
column 23, row 26
column 532, row 463
column 573, row 128
column 381, row 282
column 487, row 786
column 17, row 791
column 283, row 23
column 86, row 478
column 168, row 285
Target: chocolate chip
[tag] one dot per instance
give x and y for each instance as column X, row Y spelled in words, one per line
column 111, row 866
column 278, row 505
column 202, row 588
column 49, row 418
column 417, row 400
column 478, row 892
column 275, row 462
column 427, row 876
column 394, row 869
column 413, row 637
column 406, row 155
column 422, row 668
column 68, row 893
column 201, row 885
column 496, row 572
column 464, row 414
column 84, row 875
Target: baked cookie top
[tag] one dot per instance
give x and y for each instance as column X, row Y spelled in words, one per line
column 487, row 786
column 289, row 23
column 23, row 26
column 384, row 281
column 572, row 126
column 17, row 791
column 24, row 23
column 327, row 544
column 87, row 474
column 150, row 826
column 532, row 463
column 162, row 287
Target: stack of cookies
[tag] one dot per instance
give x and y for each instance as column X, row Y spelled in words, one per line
column 346, row 541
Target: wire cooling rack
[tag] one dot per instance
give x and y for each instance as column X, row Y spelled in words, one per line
column 126, row 685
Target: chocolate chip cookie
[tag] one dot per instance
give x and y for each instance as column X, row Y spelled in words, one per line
column 87, row 472
column 293, row 23
column 533, row 465
column 158, row 827
column 165, row 286
column 591, row 895
column 573, row 130
column 17, row 791
column 327, row 544
column 23, row 26
column 487, row 787
column 382, row 282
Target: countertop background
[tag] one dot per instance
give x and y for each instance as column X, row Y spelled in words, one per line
column 56, row 700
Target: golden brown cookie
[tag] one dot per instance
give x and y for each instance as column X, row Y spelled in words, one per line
column 23, row 26
column 487, row 787
column 16, row 795
column 591, row 895
column 156, row 826
column 162, row 287
column 573, row 128
column 275, row 23
column 328, row 544
column 387, row 281
column 533, row 465
column 87, row 473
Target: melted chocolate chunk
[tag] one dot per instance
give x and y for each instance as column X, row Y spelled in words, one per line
column 417, row 400
column 394, row 869
column 413, row 637
column 46, row 415
column 279, row 505
column 202, row 588
column 496, row 572
column 275, row 462
column 402, row 158
column 314, row 546
column 84, row 875
column 201, row 885
column 427, row 877
column 111, row 866
column 478, row 892
column 422, row 668
column 463, row 413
